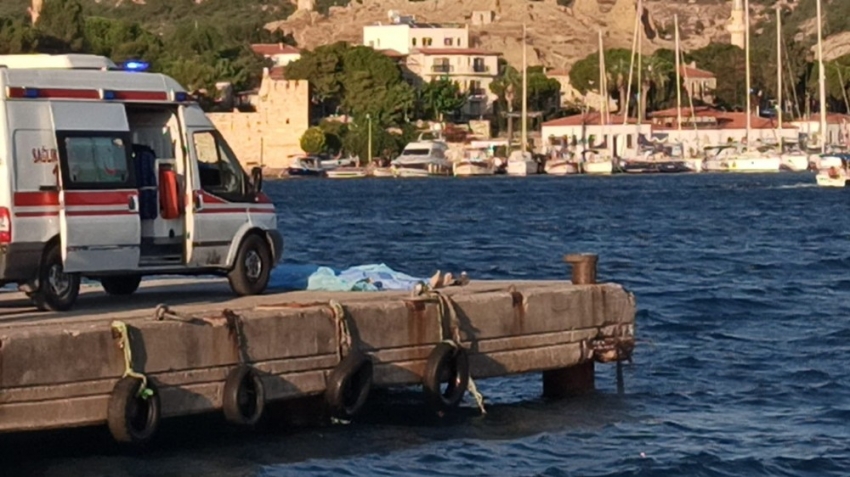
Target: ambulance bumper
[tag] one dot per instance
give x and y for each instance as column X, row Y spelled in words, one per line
column 277, row 241
column 19, row 261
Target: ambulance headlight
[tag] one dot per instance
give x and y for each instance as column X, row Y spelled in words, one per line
column 136, row 65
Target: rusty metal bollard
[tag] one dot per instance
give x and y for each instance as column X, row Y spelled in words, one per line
column 584, row 267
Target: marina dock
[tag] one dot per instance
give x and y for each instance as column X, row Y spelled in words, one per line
column 206, row 352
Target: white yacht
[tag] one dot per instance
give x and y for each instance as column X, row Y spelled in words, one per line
column 737, row 158
column 832, row 170
column 521, row 164
column 422, row 159
column 562, row 164
column 474, row 162
column 596, row 163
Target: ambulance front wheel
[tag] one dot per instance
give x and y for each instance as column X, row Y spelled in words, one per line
column 57, row 290
column 252, row 267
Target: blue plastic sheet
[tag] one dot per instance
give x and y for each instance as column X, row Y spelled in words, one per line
column 375, row 277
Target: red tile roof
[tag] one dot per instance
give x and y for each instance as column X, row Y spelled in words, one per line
column 739, row 121
column 271, row 49
column 455, row 51
column 691, row 72
column 590, row 118
column 699, row 111
column 831, row 118
column 557, row 73
column 393, row 53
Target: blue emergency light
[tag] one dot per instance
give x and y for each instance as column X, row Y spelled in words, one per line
column 136, row 65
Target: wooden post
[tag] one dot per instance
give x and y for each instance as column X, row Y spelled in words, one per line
column 580, row 378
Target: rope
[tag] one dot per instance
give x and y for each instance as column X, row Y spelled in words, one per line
column 343, row 332
column 120, row 328
column 447, row 309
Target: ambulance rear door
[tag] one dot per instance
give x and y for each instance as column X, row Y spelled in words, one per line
column 98, row 197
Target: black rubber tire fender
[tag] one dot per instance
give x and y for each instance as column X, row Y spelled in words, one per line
column 349, row 385
column 131, row 418
column 121, row 285
column 44, row 298
column 240, row 282
column 244, row 396
column 447, row 363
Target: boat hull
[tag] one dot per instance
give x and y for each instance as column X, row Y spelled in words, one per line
column 794, row 163
column 599, row 167
column 341, row 173
column 562, row 168
column 299, row 172
column 522, row 168
column 383, row 172
column 468, row 169
column 824, row 179
column 744, row 165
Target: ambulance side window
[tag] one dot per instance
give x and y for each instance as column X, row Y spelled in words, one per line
column 220, row 171
column 94, row 161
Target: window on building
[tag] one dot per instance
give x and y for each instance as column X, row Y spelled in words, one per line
column 96, row 161
column 447, row 42
column 413, row 41
column 427, row 41
column 478, row 65
column 629, row 141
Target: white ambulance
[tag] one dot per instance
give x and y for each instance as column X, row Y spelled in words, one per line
column 111, row 175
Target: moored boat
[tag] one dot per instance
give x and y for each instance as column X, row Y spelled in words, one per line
column 521, row 164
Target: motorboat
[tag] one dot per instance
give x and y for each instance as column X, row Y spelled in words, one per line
column 596, row 163
column 521, row 163
column 562, row 164
column 346, row 173
column 474, row 162
column 738, row 158
column 421, row 159
column 833, row 170
column 305, row 166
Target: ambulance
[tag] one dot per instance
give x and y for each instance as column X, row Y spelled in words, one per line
column 110, row 174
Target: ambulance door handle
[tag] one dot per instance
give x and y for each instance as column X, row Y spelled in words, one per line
column 133, row 203
column 199, row 202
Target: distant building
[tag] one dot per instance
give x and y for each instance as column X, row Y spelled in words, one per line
column 430, row 51
column 699, row 84
column 736, row 25
column 483, row 17
column 280, row 54
column 404, row 33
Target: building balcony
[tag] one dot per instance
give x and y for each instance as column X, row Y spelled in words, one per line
column 442, row 68
column 480, row 69
column 477, row 93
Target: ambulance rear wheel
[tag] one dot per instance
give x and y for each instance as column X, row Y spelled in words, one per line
column 252, row 268
column 121, row 285
column 57, row 290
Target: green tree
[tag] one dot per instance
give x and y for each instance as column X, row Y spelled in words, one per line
column 16, row 36
column 442, row 97
column 584, row 75
column 313, row 141
column 373, row 85
column 544, row 93
column 384, row 144
column 335, row 133
column 323, row 68
column 61, row 27
column 727, row 62
column 656, row 74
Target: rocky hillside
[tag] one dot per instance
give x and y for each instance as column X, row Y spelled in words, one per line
column 559, row 34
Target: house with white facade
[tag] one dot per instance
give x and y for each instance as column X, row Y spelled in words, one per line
column 278, row 53
column 431, row 51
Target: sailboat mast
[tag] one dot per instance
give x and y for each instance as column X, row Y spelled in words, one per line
column 747, row 61
column 625, row 108
column 641, row 99
column 603, row 93
column 821, row 82
column 524, row 92
column 780, row 105
column 678, row 73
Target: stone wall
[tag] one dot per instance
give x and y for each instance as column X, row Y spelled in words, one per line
column 269, row 136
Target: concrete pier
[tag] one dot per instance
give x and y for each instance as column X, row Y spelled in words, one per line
column 59, row 371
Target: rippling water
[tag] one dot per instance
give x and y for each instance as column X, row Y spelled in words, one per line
column 743, row 293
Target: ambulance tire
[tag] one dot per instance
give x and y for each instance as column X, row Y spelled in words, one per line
column 252, row 267
column 52, row 296
column 121, row 285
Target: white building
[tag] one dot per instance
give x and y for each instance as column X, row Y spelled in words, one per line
column 404, row 33
column 280, row 54
column 431, row 51
column 837, row 127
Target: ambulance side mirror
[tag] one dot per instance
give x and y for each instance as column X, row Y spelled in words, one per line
column 257, row 179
